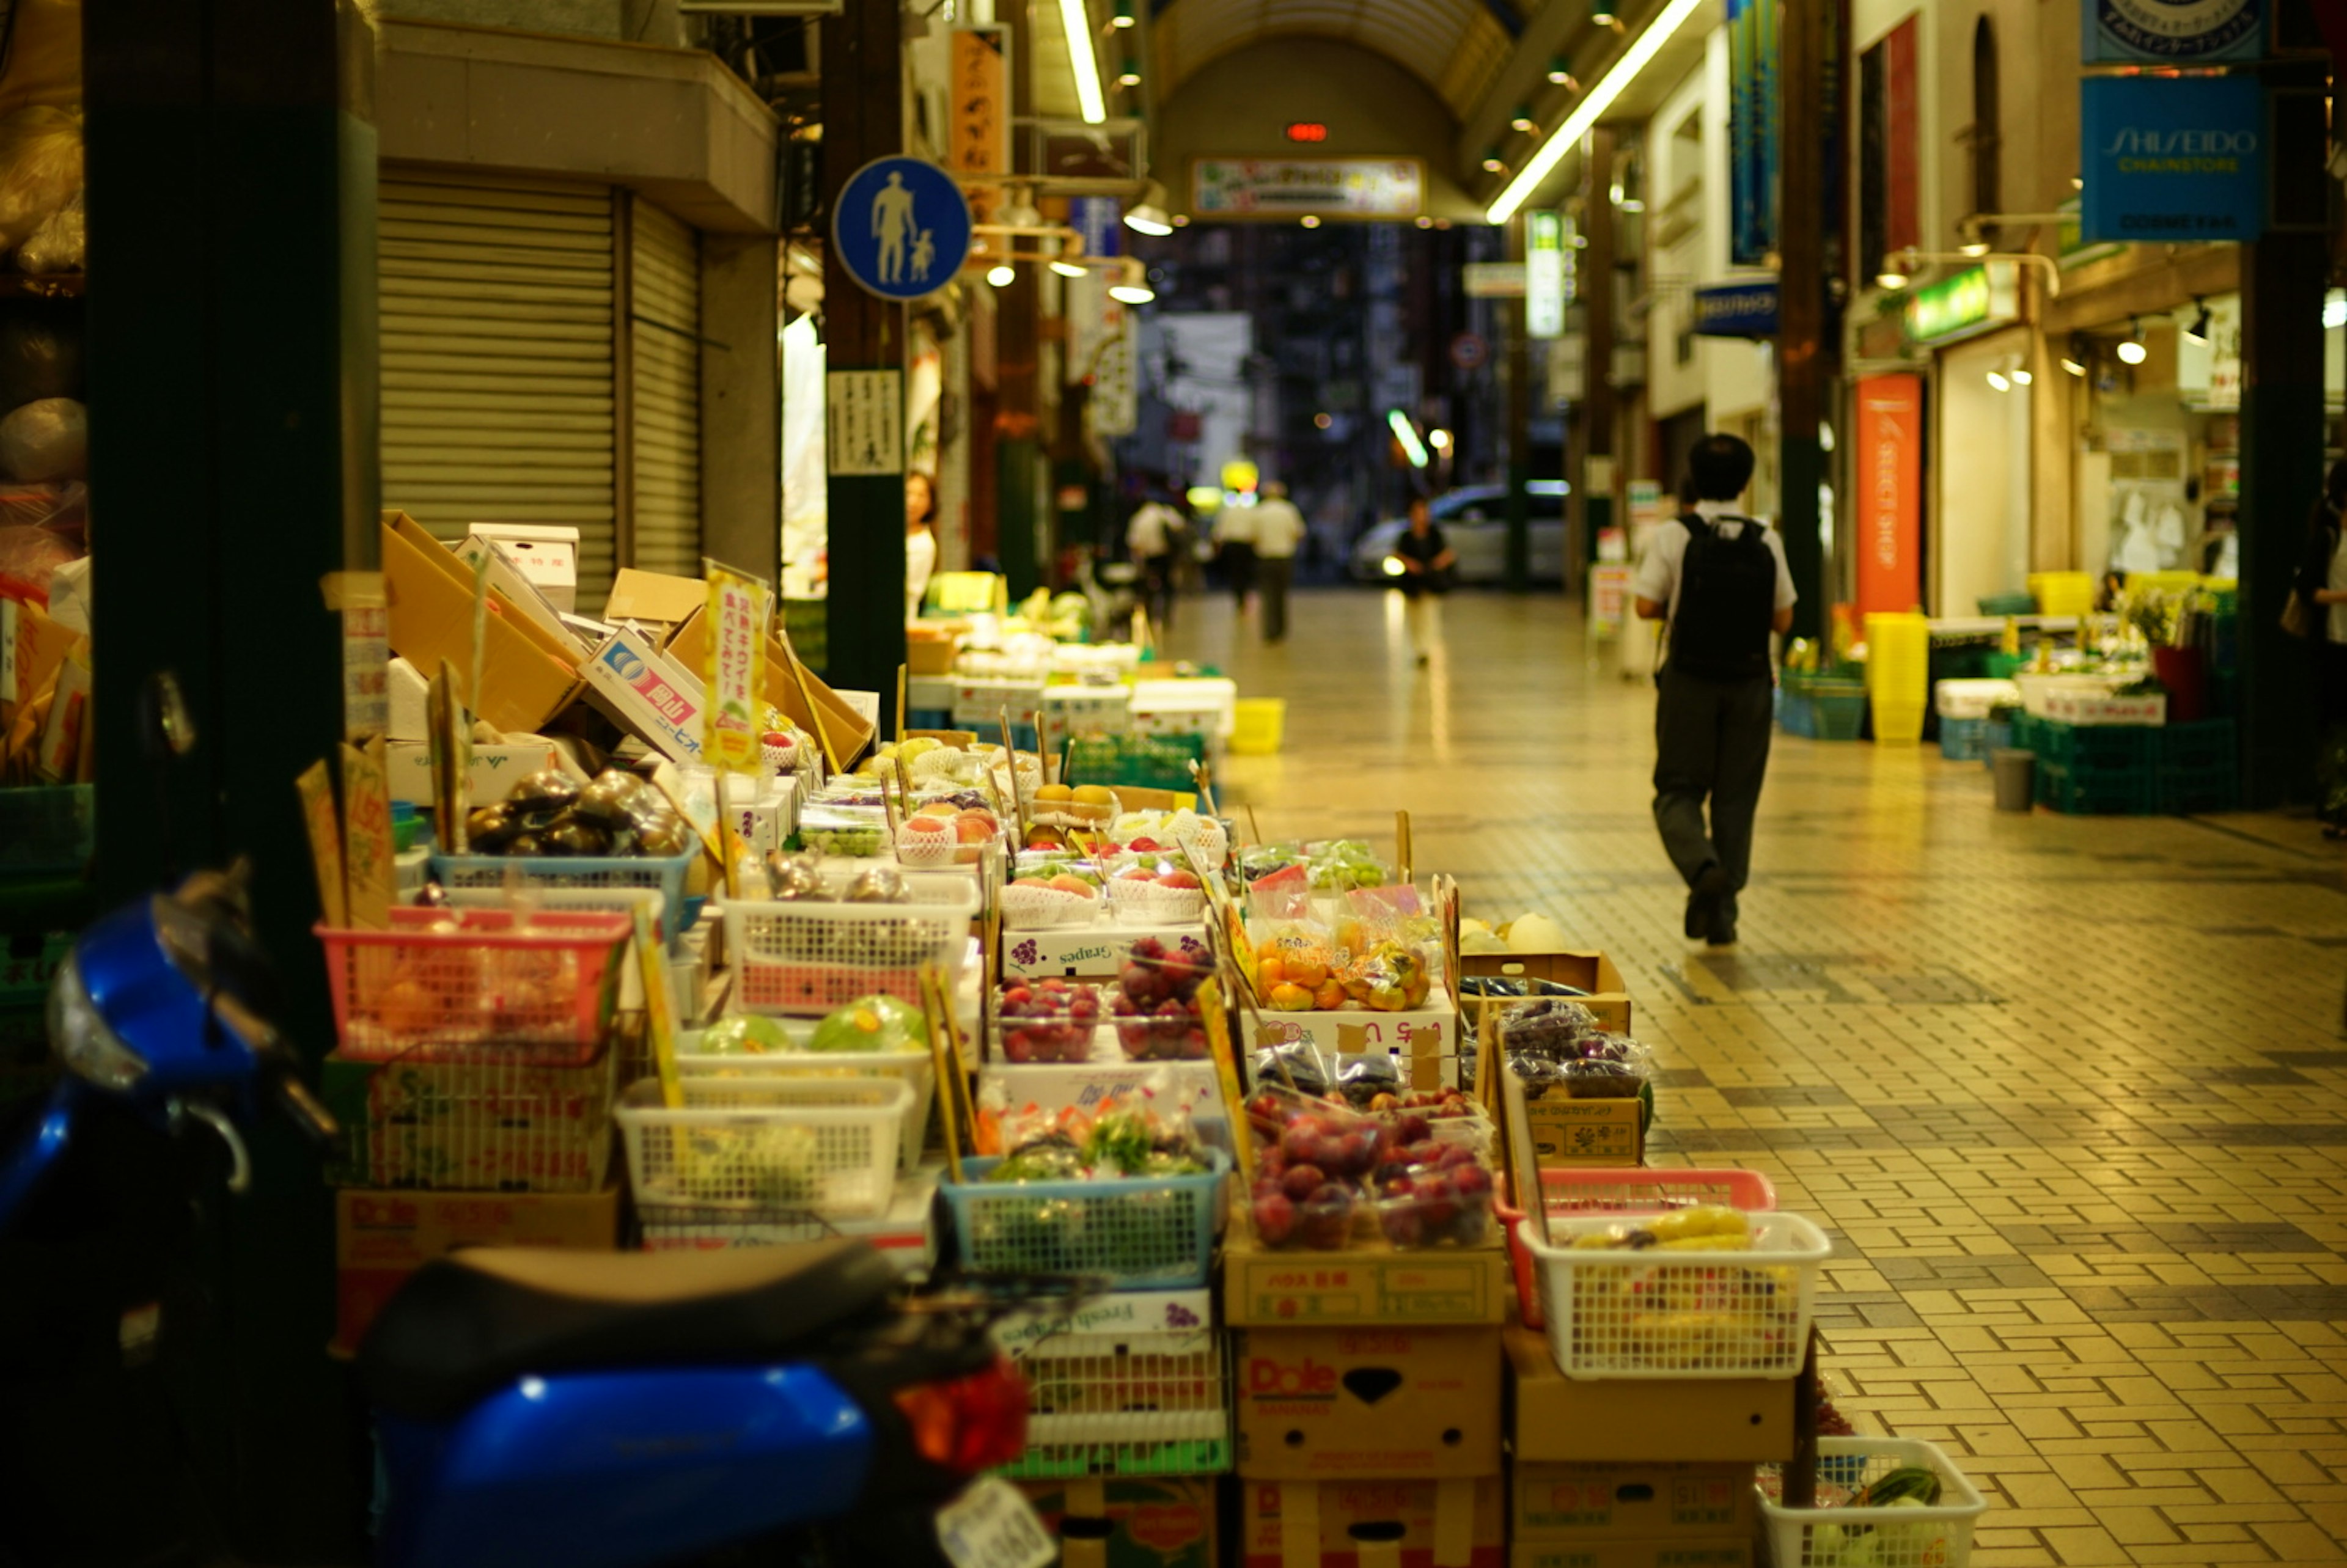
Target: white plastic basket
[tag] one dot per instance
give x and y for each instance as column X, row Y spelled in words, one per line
column 1972, row 699
column 823, row 1146
column 1937, row 1536
column 1130, row 1404
column 915, row 1069
column 807, row 958
column 1656, row 1313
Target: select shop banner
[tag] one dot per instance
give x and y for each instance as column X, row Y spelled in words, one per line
column 1889, row 499
column 2172, row 159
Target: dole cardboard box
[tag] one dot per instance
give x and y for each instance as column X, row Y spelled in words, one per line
column 1630, row 1500
column 383, row 1236
column 1162, row 1522
column 1673, row 1551
column 1321, row 1404
column 1696, row 1420
column 1457, row 1523
column 1365, row 1286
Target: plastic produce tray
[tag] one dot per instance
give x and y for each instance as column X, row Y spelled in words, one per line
column 826, row 1146
column 1939, row 1536
column 667, row 875
column 1135, row 1404
column 1153, row 1233
column 493, row 989
column 1671, row 1314
column 806, row 956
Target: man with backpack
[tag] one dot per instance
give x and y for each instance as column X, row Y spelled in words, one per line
column 1718, row 579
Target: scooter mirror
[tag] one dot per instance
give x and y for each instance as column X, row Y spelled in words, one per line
column 169, row 729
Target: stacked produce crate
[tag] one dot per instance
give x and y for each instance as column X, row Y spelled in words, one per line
column 474, row 1074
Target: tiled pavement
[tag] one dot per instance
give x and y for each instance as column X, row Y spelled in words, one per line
column 2068, row 1092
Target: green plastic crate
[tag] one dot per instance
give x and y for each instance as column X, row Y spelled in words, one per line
column 1842, row 715
column 2189, row 792
column 2082, row 791
column 2203, row 746
column 2100, row 746
column 1143, row 762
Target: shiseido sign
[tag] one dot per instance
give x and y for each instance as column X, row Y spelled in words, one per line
column 2172, row 159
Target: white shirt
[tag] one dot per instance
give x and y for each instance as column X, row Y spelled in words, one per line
column 1279, row 526
column 1145, row 535
column 1234, row 526
column 1659, row 573
column 920, row 560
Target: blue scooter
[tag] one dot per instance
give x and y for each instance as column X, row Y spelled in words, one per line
column 601, row 1410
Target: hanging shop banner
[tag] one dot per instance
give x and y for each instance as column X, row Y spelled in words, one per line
column 1889, row 181
column 1543, row 275
column 1965, row 304
column 1752, row 130
column 1737, row 309
column 731, row 719
column 1889, row 499
column 2172, row 32
column 977, row 119
column 1114, row 407
column 2172, row 159
column 901, row 228
column 1101, row 221
column 1292, row 187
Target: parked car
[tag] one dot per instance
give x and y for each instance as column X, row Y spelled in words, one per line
column 1475, row 521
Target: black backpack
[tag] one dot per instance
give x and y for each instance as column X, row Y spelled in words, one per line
column 1727, row 600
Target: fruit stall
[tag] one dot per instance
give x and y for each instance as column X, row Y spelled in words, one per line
column 1375, row 1269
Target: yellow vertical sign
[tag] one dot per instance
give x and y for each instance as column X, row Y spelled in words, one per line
column 735, row 660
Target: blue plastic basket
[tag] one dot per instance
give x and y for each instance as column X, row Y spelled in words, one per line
column 1961, row 739
column 666, row 875
column 1151, row 1233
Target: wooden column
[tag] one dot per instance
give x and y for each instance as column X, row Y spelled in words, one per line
column 1018, row 411
column 862, row 119
column 1802, row 352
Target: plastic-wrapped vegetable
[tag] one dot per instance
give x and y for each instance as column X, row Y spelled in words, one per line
column 59, row 243
column 873, row 1023
column 44, row 440
column 40, row 351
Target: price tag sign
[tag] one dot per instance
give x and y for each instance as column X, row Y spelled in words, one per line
column 992, row 1526
column 736, row 658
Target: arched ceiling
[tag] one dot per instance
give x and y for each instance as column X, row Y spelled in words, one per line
column 1457, row 48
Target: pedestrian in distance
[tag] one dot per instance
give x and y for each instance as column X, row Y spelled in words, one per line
column 1426, row 560
column 1234, row 537
column 2322, row 592
column 1149, row 536
column 920, row 543
column 1279, row 529
column 1718, row 579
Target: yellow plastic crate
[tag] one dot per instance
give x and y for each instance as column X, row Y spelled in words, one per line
column 2062, row 592
column 1258, row 723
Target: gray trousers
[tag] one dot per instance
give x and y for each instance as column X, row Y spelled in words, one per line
column 1271, row 578
column 1711, row 739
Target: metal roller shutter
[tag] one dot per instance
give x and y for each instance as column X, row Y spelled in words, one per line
column 499, row 400
column 664, row 309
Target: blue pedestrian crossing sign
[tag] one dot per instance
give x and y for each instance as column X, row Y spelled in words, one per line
column 901, row 228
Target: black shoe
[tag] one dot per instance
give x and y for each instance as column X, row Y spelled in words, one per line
column 1706, row 901
column 1721, row 935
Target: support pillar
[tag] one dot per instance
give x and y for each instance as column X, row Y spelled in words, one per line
column 1520, row 423
column 862, row 119
column 1803, row 353
column 232, row 412
column 1591, row 466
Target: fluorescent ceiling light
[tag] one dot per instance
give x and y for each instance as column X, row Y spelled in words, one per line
column 1131, row 294
column 1076, row 21
column 1593, row 104
column 2335, row 312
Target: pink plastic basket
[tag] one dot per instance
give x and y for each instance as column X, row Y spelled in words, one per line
column 1629, row 1190
column 474, row 985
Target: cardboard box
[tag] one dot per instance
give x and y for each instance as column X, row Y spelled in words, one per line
column 1592, row 972
column 655, row 599
column 528, row 676
column 648, row 694
column 1678, row 1552
column 1363, row 1285
column 520, row 570
column 850, row 733
column 381, row 1237
column 471, row 1126
column 1696, row 1421
column 1167, row 1522
column 1636, row 1500
column 1330, row 1404
column 929, row 650
column 1431, row 1030
column 1374, row 1523
column 495, row 770
column 1566, row 1131
column 1088, row 953
column 545, row 553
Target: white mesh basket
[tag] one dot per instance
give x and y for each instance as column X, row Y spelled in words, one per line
column 823, row 1146
column 807, row 956
column 1132, row 1404
column 1616, row 1312
column 1939, row 1535
column 915, row 1069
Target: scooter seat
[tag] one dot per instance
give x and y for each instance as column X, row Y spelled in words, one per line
column 469, row 1323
